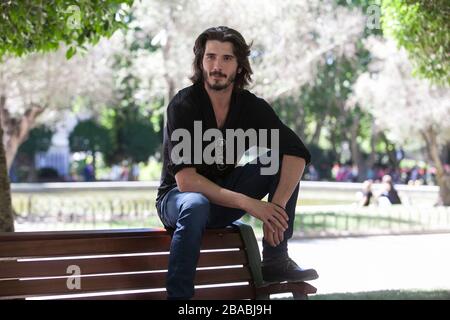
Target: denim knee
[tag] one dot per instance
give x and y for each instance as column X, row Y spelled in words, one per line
column 194, row 211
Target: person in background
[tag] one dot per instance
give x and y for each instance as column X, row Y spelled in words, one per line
column 366, row 193
column 389, row 192
column 135, row 171
column 88, row 172
column 312, row 173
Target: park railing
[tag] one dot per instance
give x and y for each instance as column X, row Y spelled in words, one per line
column 123, row 205
column 352, row 220
column 75, row 211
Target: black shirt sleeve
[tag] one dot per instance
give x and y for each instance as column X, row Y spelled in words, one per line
column 289, row 143
column 179, row 116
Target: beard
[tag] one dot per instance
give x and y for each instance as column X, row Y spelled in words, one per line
column 218, row 84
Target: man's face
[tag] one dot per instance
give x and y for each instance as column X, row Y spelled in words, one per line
column 219, row 65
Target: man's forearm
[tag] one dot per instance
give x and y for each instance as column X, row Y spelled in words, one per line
column 292, row 168
column 215, row 193
column 274, row 218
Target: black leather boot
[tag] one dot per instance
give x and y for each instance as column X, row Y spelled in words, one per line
column 285, row 269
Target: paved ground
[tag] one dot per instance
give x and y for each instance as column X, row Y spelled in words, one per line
column 377, row 263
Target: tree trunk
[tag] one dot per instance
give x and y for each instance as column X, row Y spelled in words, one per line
column 6, row 215
column 333, row 139
column 445, row 154
column 373, row 141
column 94, row 165
column 130, row 170
column 391, row 152
column 368, row 165
column 442, row 177
column 32, row 175
column 354, row 147
column 16, row 130
column 444, row 188
column 317, row 132
column 299, row 119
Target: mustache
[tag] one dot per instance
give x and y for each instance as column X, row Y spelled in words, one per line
column 217, row 73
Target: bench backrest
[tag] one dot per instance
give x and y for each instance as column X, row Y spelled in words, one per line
column 46, row 264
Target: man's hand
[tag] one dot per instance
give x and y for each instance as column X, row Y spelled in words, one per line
column 274, row 217
column 273, row 238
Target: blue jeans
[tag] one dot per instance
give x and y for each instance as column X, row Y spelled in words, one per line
column 190, row 213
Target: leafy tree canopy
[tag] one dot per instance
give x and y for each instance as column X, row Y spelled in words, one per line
column 39, row 140
column 421, row 27
column 40, row 25
column 140, row 140
column 89, row 136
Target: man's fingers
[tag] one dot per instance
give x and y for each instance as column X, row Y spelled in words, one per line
column 277, row 223
column 268, row 224
column 274, row 217
column 276, row 238
column 268, row 236
column 280, row 235
column 282, row 216
column 280, row 220
column 271, row 239
column 281, row 212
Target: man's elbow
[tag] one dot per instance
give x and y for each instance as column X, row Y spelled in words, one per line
column 183, row 185
column 184, row 181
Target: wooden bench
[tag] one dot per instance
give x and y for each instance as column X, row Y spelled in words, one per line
column 131, row 264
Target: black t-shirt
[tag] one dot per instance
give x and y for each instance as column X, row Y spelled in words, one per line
column 246, row 112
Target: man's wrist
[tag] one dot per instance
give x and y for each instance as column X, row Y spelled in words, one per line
column 278, row 205
column 278, row 201
column 243, row 202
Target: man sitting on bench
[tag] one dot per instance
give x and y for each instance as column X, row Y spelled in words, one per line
column 209, row 125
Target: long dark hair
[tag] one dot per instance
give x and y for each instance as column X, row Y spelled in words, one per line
column 240, row 49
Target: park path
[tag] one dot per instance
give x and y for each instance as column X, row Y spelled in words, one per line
column 377, row 262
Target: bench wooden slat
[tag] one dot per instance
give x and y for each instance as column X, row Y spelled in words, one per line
column 86, row 234
column 49, row 268
column 16, row 288
column 91, row 234
column 236, row 292
column 116, row 245
column 69, row 247
column 141, row 253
